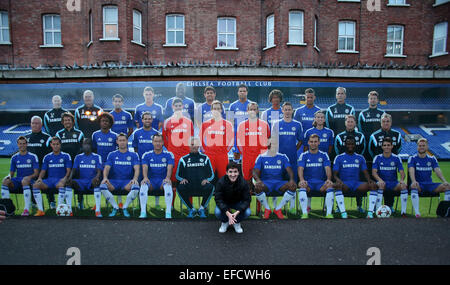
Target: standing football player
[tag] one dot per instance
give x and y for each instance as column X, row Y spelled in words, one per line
column 336, row 114
column 86, row 115
column 204, row 112
column 52, row 118
column 123, row 120
column 142, row 137
column 274, row 113
column 150, row 106
column 188, row 105
column 305, row 114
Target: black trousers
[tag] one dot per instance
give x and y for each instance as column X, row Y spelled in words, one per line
column 185, row 191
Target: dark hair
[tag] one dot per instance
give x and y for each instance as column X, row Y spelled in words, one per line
column 118, row 96
column 287, row 104
column 21, row 138
column 55, row 138
column 146, row 113
column 157, row 135
column 243, row 86
column 87, row 140
column 68, row 114
column 209, row 88
column 387, row 139
column 177, row 100
column 232, row 165
column 314, row 136
column 310, row 90
column 275, row 92
column 122, row 135
column 108, row 116
column 350, row 138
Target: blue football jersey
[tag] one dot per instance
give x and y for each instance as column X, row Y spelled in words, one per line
column 289, row 134
column 122, row 164
column 157, row 113
column 188, row 108
column 56, row 165
column 103, row 143
column 349, row 166
column 143, row 140
column 205, row 112
column 24, row 164
column 271, row 115
column 387, row 167
column 157, row 163
column 272, row 167
column 423, row 167
column 314, row 165
column 239, row 111
column 88, row 165
column 305, row 116
column 122, row 122
column 326, row 136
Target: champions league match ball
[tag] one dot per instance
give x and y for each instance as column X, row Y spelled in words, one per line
column 383, row 212
column 63, row 210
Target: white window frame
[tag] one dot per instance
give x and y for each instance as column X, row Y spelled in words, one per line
column 300, row 28
column 440, row 2
column 316, row 24
column 226, row 33
column 51, row 30
column 270, row 31
column 397, row 3
column 176, row 29
column 347, row 37
column 394, row 41
column 137, row 27
column 440, row 53
column 105, row 38
column 91, row 29
column 4, row 29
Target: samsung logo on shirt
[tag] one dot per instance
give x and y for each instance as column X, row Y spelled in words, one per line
column 120, row 122
column 145, row 141
column 23, row 165
column 340, row 116
column 287, row 133
column 87, row 166
column 195, row 164
column 253, row 134
column 272, row 166
column 373, row 120
column 69, row 141
column 424, row 168
column 349, row 165
column 314, row 165
column 54, row 120
column 179, row 131
column 216, row 133
column 35, row 144
column 158, row 164
column 56, row 165
column 104, row 144
column 388, row 168
column 122, row 162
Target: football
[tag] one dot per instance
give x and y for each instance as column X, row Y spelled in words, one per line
column 383, row 212
column 63, row 210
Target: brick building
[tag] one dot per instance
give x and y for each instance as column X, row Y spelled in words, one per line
column 62, row 32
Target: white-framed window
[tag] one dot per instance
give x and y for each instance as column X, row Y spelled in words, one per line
column 347, row 36
column 316, row 28
column 226, row 33
column 397, row 3
column 110, row 23
column 137, row 27
column 296, row 21
column 52, row 30
column 175, row 30
column 439, row 2
column 4, row 28
column 91, row 26
column 395, row 36
column 270, row 31
column 440, row 39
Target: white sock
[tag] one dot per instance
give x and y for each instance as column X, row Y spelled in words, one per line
column 61, row 195
column 340, row 200
column 168, row 197
column 286, row 198
column 5, row 192
column 27, row 197
column 415, row 200
column 447, row 195
column 261, row 197
column 131, row 196
column 143, row 198
column 292, row 201
column 309, row 202
column 274, row 201
column 373, row 197
column 38, row 197
column 404, row 200
column 329, row 200
column 156, row 201
column 98, row 199
column 108, row 196
column 303, row 200
column 68, row 196
column 379, row 198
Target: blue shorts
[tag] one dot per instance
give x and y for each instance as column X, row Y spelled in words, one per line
column 84, row 184
column 17, row 182
column 428, row 186
column 51, row 182
column 390, row 185
column 353, row 185
column 119, row 184
column 315, row 185
column 155, row 188
column 274, row 186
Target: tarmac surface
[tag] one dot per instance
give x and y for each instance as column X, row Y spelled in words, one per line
column 46, row 240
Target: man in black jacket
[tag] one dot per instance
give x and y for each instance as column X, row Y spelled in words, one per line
column 232, row 192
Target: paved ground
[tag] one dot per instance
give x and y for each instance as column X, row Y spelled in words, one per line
column 184, row 242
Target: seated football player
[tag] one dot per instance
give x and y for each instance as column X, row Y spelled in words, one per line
column 157, row 166
column 314, row 172
column 346, row 169
column 87, row 166
column 57, row 165
column 421, row 167
column 121, row 172
column 25, row 164
column 384, row 170
column 268, row 178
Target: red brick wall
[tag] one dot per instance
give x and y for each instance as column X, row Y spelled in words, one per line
column 201, row 31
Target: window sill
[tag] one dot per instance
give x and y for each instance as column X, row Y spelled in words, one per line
column 438, row 54
column 51, row 46
column 173, row 45
column 5, row 43
column 398, row 5
column 316, row 48
column 347, row 51
column 297, row 44
column 355, row 1
column 109, row 39
column 89, row 44
column 266, row 48
column 138, row 43
column 395, row 55
column 435, row 5
column 226, row 48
